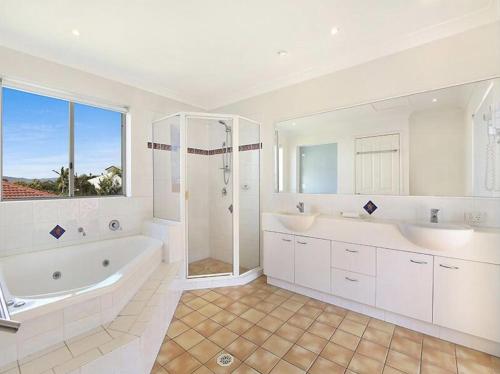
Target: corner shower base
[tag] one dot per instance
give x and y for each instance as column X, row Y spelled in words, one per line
column 209, row 266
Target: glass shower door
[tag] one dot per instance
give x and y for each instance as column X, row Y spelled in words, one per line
column 209, row 196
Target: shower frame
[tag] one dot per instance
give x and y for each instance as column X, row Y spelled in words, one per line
column 235, row 177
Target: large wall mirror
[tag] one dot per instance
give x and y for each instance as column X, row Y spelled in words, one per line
column 443, row 142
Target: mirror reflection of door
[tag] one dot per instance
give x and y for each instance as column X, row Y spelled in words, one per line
column 318, row 168
column 378, row 165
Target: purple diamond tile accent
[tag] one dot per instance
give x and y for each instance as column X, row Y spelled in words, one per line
column 370, row 207
column 57, row 232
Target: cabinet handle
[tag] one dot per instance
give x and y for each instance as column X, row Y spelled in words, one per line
column 286, row 240
column 351, row 250
column 351, row 279
column 419, row 262
column 301, row 242
column 449, row 267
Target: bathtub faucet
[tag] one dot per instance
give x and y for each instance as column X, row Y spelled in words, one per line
column 6, row 324
column 81, row 230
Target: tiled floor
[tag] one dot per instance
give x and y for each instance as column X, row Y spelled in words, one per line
column 271, row 330
column 211, row 266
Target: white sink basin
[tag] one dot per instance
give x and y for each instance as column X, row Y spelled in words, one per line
column 297, row 221
column 437, row 236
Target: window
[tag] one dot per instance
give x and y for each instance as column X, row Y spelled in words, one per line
column 53, row 148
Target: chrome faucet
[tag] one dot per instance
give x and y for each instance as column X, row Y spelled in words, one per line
column 300, row 207
column 6, row 324
column 434, row 215
column 81, row 230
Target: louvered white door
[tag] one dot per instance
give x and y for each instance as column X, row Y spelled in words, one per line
column 378, row 165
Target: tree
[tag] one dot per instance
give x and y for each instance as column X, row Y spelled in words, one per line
column 62, row 182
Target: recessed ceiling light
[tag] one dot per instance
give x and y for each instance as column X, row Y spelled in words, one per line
column 282, row 53
column 75, row 32
column 334, row 31
column 434, row 100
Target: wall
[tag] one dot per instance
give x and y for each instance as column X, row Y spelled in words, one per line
column 464, row 57
column 25, row 226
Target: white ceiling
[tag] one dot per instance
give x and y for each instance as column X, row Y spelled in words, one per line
column 211, row 53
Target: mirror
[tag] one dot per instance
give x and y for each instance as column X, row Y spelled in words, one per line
column 443, row 142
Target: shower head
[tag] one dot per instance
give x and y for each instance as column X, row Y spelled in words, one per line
column 228, row 129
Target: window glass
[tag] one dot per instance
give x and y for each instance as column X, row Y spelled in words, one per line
column 98, row 152
column 35, row 132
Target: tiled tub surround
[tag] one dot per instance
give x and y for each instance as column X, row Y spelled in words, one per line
column 127, row 344
column 368, row 266
column 25, row 225
column 271, row 330
column 93, row 296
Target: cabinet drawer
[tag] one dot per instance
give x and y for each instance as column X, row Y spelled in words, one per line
column 353, row 286
column 279, row 256
column 354, row 257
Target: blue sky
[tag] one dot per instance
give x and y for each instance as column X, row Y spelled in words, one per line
column 36, row 136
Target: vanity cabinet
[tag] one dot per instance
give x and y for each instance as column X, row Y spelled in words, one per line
column 353, row 286
column 405, row 283
column 467, row 297
column 354, row 257
column 312, row 263
column 279, row 257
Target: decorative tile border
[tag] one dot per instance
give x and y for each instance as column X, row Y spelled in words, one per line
column 205, row 152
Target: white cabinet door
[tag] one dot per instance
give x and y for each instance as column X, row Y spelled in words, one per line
column 404, row 283
column 354, row 257
column 279, row 256
column 467, row 297
column 312, row 263
column 353, row 286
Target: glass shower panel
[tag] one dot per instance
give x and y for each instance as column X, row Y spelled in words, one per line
column 249, row 195
column 209, row 178
column 166, row 168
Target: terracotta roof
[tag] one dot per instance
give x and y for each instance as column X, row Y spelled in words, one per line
column 15, row 191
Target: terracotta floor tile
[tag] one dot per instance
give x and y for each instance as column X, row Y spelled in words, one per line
column 337, row 354
column 284, row 367
column 253, row 315
column 193, row 319
column 336, row 310
column 168, row 352
column 345, row 339
column 209, row 310
column 239, row 325
column 362, row 364
column 223, row 317
column 182, row 310
column 377, row 336
column 277, row 345
column 389, row 370
column 472, row 367
column 322, row 330
column 203, row 370
column 245, row 369
column 183, row 364
column 310, row 311
column 464, row 353
column 196, row 303
column 216, row 368
column 408, row 334
column 433, row 343
column 223, row 302
column 262, row 361
column 324, row 366
column 403, row 362
column 282, row 313
column 275, row 299
column 265, row 306
column 431, row 369
column 176, row 328
column 289, row 332
column 316, row 303
column 211, row 296
column 158, row 369
column 237, row 308
column 312, row 342
column 189, row 339
column 439, row 359
column 370, row 349
column 204, row 350
column 300, row 357
column 406, row 346
column 257, row 335
column 207, row 327
column 294, row 306
column 241, row 348
column 382, row 325
column 300, row 321
column 223, row 337
column 352, row 327
column 357, row 317
column 331, row 319
column 270, row 323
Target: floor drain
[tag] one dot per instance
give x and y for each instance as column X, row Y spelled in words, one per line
column 225, row 359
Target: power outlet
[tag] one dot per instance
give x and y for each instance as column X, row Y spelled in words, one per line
column 475, row 218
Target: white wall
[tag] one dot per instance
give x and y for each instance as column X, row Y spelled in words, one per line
column 25, row 226
column 465, row 57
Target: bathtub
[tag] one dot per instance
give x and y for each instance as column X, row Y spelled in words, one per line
column 109, row 271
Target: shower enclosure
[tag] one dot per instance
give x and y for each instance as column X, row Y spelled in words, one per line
column 207, row 175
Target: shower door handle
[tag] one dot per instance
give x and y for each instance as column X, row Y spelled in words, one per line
column 230, row 208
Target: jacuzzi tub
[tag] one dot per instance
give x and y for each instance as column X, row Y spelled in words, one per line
column 57, row 278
